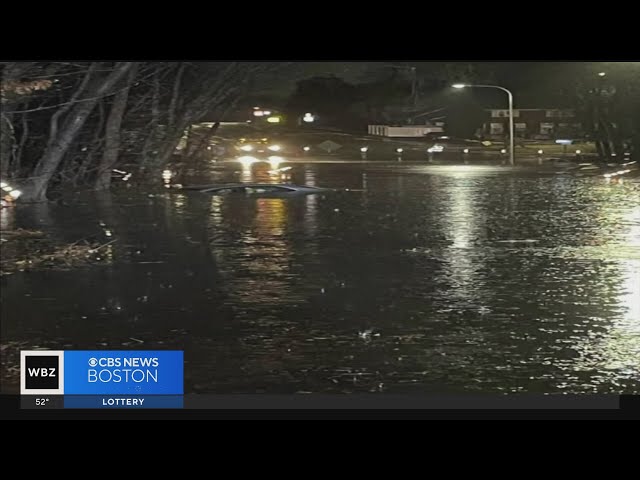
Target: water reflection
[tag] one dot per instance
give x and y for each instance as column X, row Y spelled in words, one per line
column 611, row 354
column 463, row 228
column 247, row 164
column 311, row 202
column 278, row 295
column 255, row 257
column 616, row 352
column 7, row 218
column 275, row 162
column 630, row 299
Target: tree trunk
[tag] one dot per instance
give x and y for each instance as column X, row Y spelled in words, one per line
column 168, row 141
column 10, row 71
column 6, row 143
column 96, row 145
column 200, row 146
column 35, row 189
column 171, row 117
column 55, row 118
column 151, row 139
column 24, row 136
column 170, row 145
column 112, row 134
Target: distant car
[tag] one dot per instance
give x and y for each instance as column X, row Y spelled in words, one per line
column 256, row 189
column 258, row 147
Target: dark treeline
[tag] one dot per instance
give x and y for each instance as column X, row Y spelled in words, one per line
column 608, row 106
column 70, row 123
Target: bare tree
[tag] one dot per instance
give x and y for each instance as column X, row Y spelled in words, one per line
column 35, row 189
column 113, row 133
column 153, row 127
column 217, row 87
column 11, row 91
column 54, row 133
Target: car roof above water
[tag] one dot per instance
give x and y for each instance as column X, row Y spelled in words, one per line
column 250, row 185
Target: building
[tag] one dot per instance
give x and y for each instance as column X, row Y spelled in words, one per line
column 404, row 131
column 534, row 123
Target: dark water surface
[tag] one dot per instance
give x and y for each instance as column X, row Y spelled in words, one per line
column 417, row 279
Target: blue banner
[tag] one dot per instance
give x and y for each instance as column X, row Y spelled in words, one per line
column 129, row 402
column 123, row 373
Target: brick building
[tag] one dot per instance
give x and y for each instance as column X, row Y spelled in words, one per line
column 534, row 123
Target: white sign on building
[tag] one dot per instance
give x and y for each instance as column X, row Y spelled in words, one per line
column 404, row 131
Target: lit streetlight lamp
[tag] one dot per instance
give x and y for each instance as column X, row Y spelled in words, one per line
column 512, row 141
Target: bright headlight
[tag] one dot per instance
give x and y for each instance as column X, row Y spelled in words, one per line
column 246, row 148
column 275, row 148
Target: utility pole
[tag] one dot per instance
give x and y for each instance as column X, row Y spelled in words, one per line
column 414, row 87
column 414, row 83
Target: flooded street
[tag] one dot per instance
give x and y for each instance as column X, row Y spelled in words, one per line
column 411, row 278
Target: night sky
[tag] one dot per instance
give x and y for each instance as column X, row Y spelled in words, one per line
column 534, row 82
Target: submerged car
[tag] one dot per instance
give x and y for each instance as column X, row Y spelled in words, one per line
column 256, row 189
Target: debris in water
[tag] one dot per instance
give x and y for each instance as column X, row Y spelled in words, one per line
column 366, row 334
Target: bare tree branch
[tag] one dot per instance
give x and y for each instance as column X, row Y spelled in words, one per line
column 53, row 129
column 174, row 97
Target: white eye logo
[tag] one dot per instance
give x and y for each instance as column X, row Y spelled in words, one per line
column 93, row 362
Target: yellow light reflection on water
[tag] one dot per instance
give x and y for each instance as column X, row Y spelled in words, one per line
column 247, row 161
column 179, row 203
column 311, row 202
column 7, row 219
column 216, row 210
column 247, row 168
column 275, row 162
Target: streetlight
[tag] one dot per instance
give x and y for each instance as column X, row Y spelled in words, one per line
column 512, row 141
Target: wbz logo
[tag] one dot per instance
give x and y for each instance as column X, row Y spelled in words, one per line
column 41, row 373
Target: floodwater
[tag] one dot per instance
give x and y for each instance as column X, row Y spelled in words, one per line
column 411, row 278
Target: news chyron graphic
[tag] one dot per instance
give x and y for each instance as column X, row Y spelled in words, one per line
column 103, row 379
